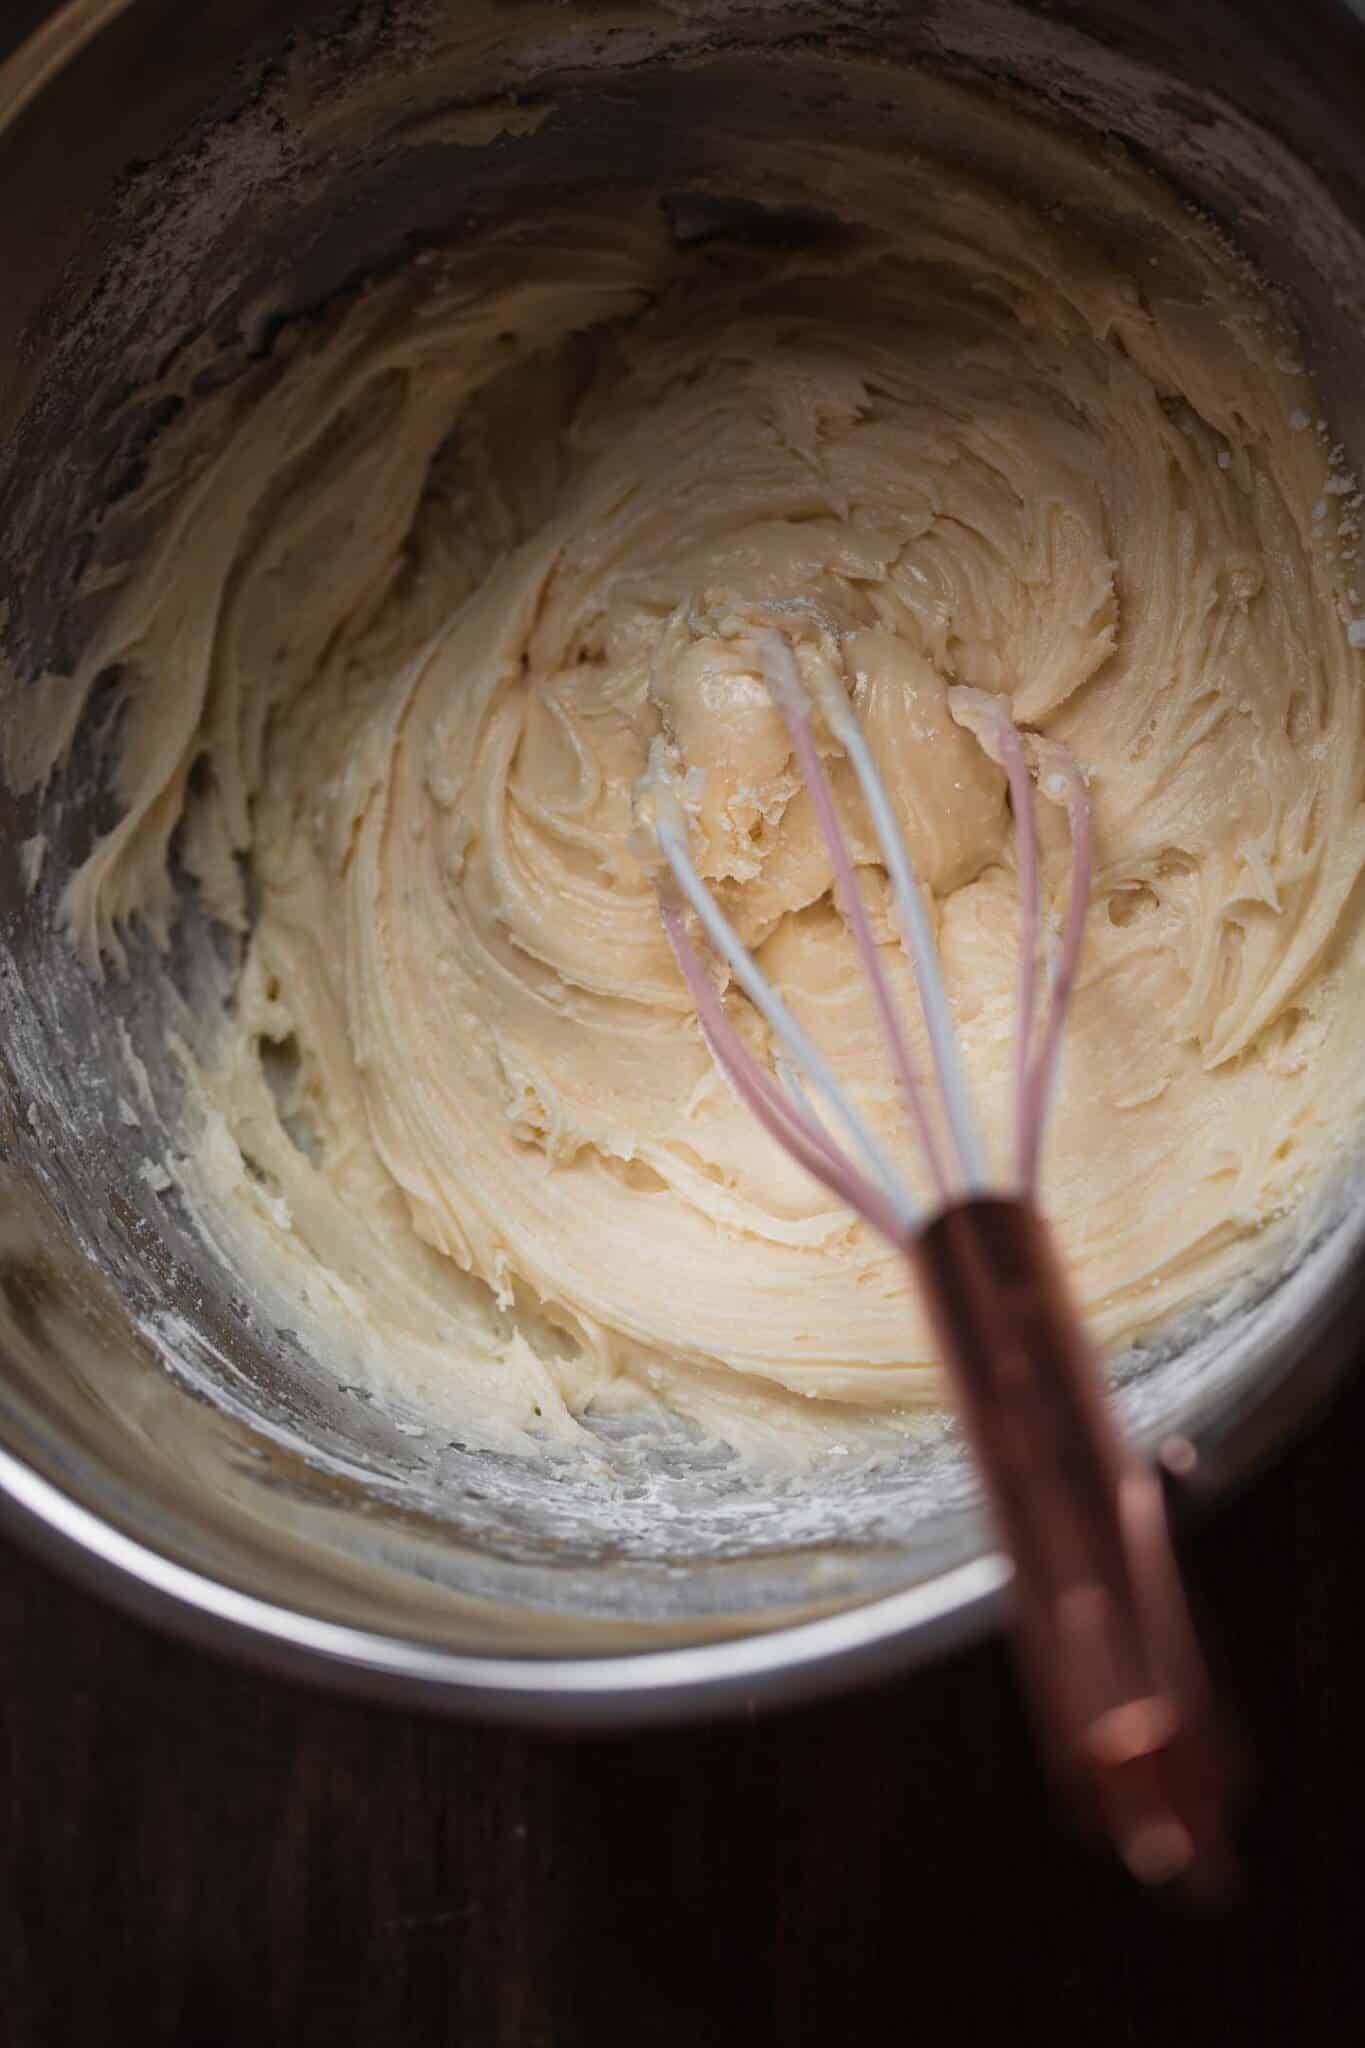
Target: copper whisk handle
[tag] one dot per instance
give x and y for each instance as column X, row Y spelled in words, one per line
column 1104, row 1639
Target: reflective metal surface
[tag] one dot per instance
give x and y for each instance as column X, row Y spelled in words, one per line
column 179, row 173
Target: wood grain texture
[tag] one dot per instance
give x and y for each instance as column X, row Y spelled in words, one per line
column 195, row 1855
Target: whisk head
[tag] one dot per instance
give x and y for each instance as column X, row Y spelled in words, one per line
column 860, row 1170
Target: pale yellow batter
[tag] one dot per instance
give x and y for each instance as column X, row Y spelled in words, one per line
column 416, row 608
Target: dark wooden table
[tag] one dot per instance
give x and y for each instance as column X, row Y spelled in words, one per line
column 196, row 1855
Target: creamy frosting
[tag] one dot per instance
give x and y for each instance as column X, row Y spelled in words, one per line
column 418, row 608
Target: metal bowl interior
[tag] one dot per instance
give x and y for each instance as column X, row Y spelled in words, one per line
column 157, row 1433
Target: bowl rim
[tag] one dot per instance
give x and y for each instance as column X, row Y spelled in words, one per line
column 877, row 1638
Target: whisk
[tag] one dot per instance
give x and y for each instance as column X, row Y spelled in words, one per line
column 1102, row 1633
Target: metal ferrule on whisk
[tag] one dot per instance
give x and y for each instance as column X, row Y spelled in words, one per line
column 1102, row 1633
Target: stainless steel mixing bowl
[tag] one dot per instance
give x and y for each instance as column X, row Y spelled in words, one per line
column 170, row 173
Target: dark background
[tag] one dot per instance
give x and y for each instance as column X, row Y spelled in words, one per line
column 195, row 1854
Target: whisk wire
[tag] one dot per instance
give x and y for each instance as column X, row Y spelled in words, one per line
column 918, row 939
column 1026, row 836
column 1062, row 781
column 800, row 1047
column 784, row 684
column 786, row 1116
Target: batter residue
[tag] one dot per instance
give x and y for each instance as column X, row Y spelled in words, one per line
column 393, row 670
